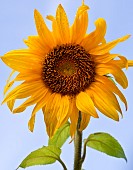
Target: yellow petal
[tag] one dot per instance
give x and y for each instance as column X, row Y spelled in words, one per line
column 56, row 30
column 119, row 75
column 80, row 24
column 24, row 90
column 82, row 9
column 9, row 83
column 51, row 109
column 11, row 74
column 84, row 104
column 21, row 60
column 63, row 114
column 103, row 103
column 108, row 95
column 73, row 117
column 41, row 103
column 104, row 58
column 84, row 22
column 85, row 118
column 93, row 39
column 56, row 112
column 43, row 31
column 130, row 63
column 63, row 24
column 122, row 63
column 50, row 113
column 10, row 104
column 35, row 97
column 31, row 123
column 28, row 76
column 8, row 86
column 19, row 109
column 112, row 87
column 30, row 54
column 105, row 48
column 36, row 43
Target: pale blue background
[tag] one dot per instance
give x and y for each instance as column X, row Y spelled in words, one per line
column 16, row 141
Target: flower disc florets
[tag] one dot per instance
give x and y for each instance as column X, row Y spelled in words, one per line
column 68, row 69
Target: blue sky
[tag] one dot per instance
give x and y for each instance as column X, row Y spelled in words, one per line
column 16, row 141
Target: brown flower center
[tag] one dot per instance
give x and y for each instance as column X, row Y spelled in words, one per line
column 68, row 69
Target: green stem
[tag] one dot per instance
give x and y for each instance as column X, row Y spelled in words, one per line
column 84, row 152
column 78, row 146
column 62, row 163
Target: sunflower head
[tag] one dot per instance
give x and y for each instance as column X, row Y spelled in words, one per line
column 66, row 70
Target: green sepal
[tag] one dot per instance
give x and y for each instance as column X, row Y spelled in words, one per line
column 43, row 156
column 104, row 142
column 111, row 78
column 60, row 136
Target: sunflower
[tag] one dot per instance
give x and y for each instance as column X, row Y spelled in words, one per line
column 65, row 71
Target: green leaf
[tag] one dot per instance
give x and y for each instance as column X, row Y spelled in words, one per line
column 60, row 136
column 42, row 156
column 104, row 142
